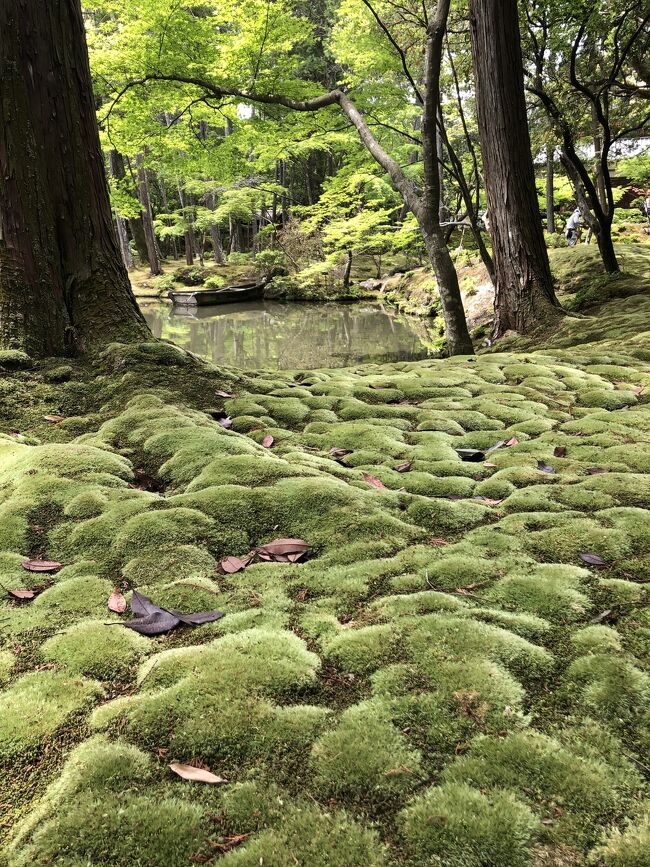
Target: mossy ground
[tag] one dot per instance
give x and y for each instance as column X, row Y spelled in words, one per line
column 444, row 682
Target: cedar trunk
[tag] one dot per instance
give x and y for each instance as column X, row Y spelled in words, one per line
column 524, row 295
column 63, row 285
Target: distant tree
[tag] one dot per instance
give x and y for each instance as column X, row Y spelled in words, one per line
column 584, row 58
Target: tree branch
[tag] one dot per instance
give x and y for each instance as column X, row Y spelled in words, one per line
column 397, row 48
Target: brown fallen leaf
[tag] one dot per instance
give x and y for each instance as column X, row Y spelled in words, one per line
column 116, row 602
column 233, row 564
column 221, row 393
column 559, row 451
column 54, row 419
column 638, row 389
column 295, row 556
column 22, row 595
column 283, row 546
column 440, row 542
column 268, row 441
column 196, row 775
column 596, row 471
column 489, row 464
column 41, row 565
column 228, row 843
column 513, row 441
column 404, row 468
column 339, row 453
column 374, row 481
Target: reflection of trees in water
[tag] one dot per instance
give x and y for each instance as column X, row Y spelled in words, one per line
column 275, row 335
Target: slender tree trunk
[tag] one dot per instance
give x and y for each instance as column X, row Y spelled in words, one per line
column 190, row 241
column 147, row 217
column 348, row 270
column 524, row 294
column 601, row 228
column 63, row 285
column 116, row 168
column 137, row 233
column 215, row 234
column 550, row 203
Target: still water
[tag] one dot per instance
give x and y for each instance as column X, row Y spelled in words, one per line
column 281, row 336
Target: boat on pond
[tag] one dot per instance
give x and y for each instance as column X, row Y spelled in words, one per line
column 226, row 295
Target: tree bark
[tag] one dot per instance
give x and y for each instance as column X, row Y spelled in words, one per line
column 147, row 217
column 550, row 203
column 215, row 234
column 63, row 285
column 524, row 294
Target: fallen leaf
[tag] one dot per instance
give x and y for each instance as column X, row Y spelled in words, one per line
column 596, row 471
column 603, row 617
column 198, row 618
column 228, row 843
column 22, row 595
column 283, row 546
column 221, row 393
column 592, row 559
column 156, row 623
column 559, row 451
column 439, row 542
column 488, row 501
column 470, row 454
column 150, row 619
column 339, row 453
column 404, row 468
column 638, row 389
column 489, row 464
column 374, row 481
column 545, row 468
column 295, row 556
column 513, row 441
column 233, row 564
column 496, row 446
column 268, row 441
column 225, row 422
column 196, row 775
column 54, row 419
column 116, row 602
column 41, row 565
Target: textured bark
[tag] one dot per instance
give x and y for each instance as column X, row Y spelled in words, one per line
column 147, row 217
column 63, row 286
column 550, row 204
column 524, row 295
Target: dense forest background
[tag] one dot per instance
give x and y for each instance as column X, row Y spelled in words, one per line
column 200, row 172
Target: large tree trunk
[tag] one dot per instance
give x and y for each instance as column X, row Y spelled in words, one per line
column 524, row 295
column 63, row 285
column 147, row 217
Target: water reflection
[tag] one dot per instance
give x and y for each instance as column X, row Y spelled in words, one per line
column 270, row 334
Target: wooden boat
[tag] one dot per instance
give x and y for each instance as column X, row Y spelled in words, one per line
column 226, row 295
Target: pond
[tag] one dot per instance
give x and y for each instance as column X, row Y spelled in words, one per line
column 285, row 336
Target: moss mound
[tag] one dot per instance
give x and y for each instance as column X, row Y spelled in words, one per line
column 456, row 674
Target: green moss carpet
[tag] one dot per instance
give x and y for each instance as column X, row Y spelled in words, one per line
column 445, row 681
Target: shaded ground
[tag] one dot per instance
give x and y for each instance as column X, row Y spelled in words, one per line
column 444, row 682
